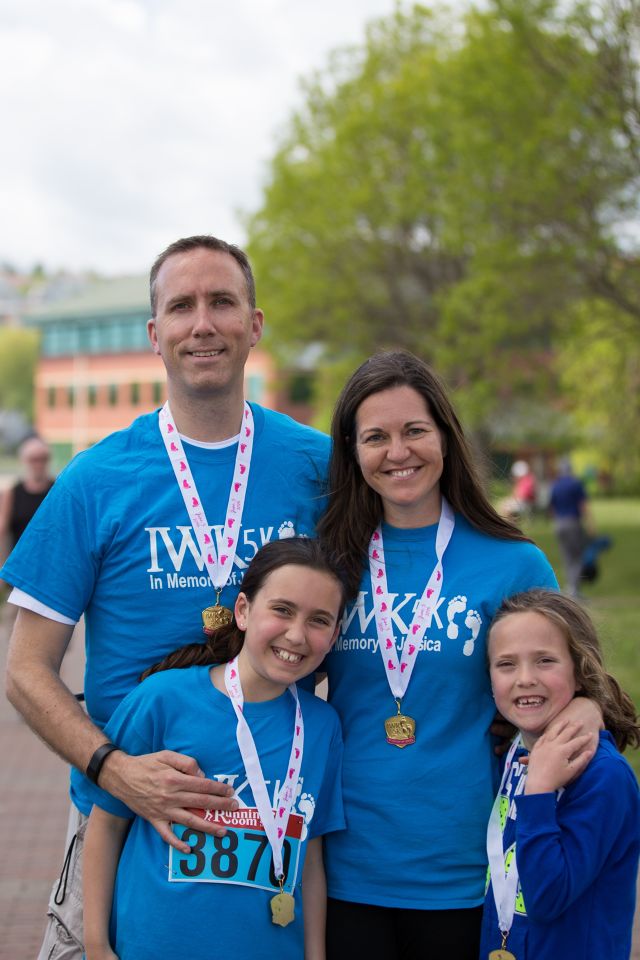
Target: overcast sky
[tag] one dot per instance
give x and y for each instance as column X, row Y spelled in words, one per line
column 129, row 123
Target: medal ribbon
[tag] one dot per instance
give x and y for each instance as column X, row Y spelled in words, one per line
column 274, row 821
column 218, row 562
column 399, row 673
column 504, row 882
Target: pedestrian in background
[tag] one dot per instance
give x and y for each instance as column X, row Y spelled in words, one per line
column 569, row 509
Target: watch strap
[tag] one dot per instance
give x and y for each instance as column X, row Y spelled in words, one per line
column 95, row 764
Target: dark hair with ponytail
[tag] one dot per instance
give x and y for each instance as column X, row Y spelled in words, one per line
column 227, row 641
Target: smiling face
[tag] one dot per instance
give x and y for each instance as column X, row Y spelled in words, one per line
column 289, row 627
column 204, row 325
column 400, row 451
column 532, row 673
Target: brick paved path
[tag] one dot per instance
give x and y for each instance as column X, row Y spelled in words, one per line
column 34, row 805
column 33, row 817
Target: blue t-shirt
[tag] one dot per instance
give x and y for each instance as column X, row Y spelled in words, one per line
column 417, row 816
column 567, row 498
column 577, row 855
column 113, row 540
column 211, row 907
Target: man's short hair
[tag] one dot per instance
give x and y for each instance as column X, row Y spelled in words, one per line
column 208, row 243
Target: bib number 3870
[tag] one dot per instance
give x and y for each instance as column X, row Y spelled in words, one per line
column 242, row 856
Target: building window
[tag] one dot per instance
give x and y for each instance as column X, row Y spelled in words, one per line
column 113, row 394
column 254, row 387
column 157, row 392
column 51, row 396
column 301, row 387
column 135, row 393
column 92, row 395
column 71, row 396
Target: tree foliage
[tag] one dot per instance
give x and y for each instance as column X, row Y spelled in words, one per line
column 601, row 381
column 456, row 186
column 18, row 356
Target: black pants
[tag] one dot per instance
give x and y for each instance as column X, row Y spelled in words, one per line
column 357, row 931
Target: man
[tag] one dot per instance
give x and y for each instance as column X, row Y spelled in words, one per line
column 568, row 505
column 142, row 532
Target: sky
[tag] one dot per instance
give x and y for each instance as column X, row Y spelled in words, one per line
column 130, row 123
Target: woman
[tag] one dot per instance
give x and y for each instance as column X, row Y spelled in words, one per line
column 21, row 501
column 429, row 561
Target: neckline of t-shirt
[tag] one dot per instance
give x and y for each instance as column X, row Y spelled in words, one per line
column 390, row 532
column 217, row 445
column 250, row 708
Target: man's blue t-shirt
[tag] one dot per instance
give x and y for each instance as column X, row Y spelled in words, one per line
column 113, row 540
column 417, row 816
column 215, row 901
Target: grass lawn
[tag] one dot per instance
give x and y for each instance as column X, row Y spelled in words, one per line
column 614, row 599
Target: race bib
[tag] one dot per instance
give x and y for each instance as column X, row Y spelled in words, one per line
column 242, row 856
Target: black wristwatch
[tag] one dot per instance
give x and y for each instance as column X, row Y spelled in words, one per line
column 95, row 764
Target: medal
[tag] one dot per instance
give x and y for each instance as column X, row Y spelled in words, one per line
column 504, row 880
column 274, row 821
column 215, row 617
column 217, row 559
column 401, row 730
column 282, row 908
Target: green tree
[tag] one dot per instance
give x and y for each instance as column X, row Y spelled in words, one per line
column 455, row 186
column 598, row 363
column 18, row 357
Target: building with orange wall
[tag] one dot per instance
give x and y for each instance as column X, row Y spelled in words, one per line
column 97, row 371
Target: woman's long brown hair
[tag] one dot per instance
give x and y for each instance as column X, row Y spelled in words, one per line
column 354, row 509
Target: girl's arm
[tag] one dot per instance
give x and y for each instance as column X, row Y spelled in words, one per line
column 103, row 845
column 563, row 845
column 314, row 901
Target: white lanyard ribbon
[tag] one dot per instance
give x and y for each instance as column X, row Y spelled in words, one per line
column 399, row 673
column 218, row 562
column 274, row 821
column 504, row 881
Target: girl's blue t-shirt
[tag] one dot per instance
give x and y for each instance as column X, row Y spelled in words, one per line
column 169, row 905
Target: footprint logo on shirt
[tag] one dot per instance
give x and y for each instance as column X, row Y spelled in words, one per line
column 473, row 621
column 306, row 806
column 454, row 607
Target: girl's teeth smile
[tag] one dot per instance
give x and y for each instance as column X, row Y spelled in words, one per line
column 287, row 655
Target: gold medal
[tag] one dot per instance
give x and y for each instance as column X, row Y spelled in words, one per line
column 401, row 730
column 282, row 908
column 502, row 953
column 215, row 617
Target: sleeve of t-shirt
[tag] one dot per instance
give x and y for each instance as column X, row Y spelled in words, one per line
column 563, row 845
column 534, row 572
column 329, row 813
